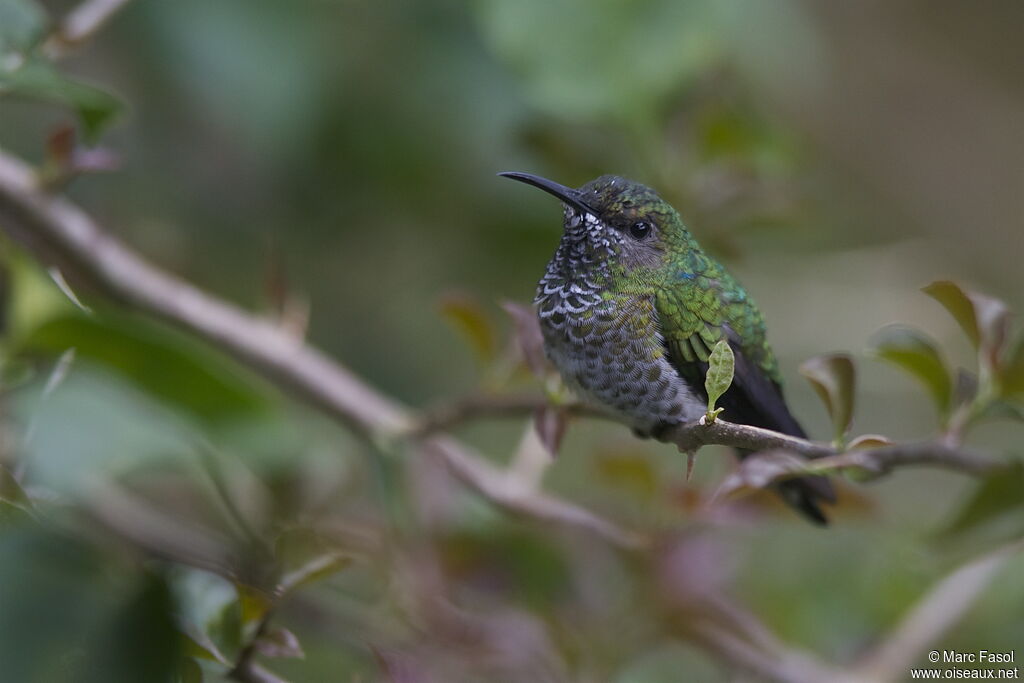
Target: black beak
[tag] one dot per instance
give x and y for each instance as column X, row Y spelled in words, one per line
column 568, row 195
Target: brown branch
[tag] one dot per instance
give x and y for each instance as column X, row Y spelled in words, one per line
column 691, row 436
column 54, row 229
column 884, row 459
column 783, row 665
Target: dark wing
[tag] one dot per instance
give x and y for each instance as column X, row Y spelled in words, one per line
column 754, row 397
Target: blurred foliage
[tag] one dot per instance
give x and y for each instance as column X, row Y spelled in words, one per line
column 157, row 502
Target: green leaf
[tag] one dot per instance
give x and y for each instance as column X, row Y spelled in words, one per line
column 254, row 604
column 202, row 647
column 833, row 378
column 466, row 314
column 71, row 613
column 721, row 365
column 918, row 354
column 22, row 25
column 38, row 80
column 190, row 672
column 999, row 493
column 161, row 361
column 1011, row 380
column 984, row 319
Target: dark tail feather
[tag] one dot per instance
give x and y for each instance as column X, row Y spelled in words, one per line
column 804, row 494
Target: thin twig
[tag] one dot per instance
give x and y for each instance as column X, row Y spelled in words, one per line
column 691, row 436
column 246, row 669
column 518, row 496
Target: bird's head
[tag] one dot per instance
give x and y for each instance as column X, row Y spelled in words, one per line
column 615, row 221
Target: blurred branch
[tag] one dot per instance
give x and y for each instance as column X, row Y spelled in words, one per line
column 57, row 231
column 80, row 24
column 449, row 415
column 515, row 494
column 933, row 615
column 783, row 665
column 246, row 669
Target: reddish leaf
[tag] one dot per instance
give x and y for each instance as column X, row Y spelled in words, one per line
column 833, row 378
column 60, row 146
column 528, row 336
column 984, row 319
column 550, row 423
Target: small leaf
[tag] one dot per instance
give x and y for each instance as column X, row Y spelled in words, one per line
column 984, row 319
column 998, row 494
column 833, row 378
column 917, row 353
column 254, row 604
column 38, row 80
column 201, row 647
column 465, row 313
column 318, row 568
column 528, row 337
column 280, row 643
column 868, row 441
column 550, row 423
column 721, row 365
column 955, row 301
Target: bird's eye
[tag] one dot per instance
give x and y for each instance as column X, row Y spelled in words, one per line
column 640, row 230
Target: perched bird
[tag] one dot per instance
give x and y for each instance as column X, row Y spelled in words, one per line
column 630, row 307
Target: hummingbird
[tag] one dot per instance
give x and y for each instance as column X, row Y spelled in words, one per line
column 630, row 308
